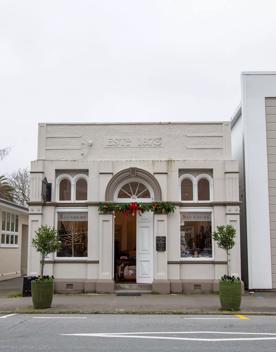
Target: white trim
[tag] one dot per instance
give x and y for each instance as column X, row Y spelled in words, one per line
column 193, row 179
column 140, row 200
column 71, row 210
column 74, row 184
column 197, row 210
column 211, row 187
column 73, row 180
column 58, row 180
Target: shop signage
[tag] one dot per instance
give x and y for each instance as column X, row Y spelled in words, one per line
column 195, row 216
column 72, row 216
column 160, row 243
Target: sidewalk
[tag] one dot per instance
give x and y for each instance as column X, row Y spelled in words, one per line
column 11, row 302
column 259, row 303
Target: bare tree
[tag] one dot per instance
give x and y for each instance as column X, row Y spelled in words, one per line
column 6, row 190
column 4, row 152
column 20, row 182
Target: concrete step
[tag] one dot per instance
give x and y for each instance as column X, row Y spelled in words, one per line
column 133, row 287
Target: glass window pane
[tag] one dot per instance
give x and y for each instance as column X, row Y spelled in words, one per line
column 196, row 235
column 12, row 222
column 73, row 231
column 3, row 220
column 134, row 190
column 65, row 190
column 81, row 189
column 8, row 221
column 187, row 190
column 7, row 239
column 3, row 238
column 203, row 189
column 16, row 223
column 15, row 239
column 11, row 239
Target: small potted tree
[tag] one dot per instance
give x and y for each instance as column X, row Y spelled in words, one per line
column 45, row 242
column 229, row 285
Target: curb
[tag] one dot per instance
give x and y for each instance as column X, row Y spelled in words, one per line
column 130, row 312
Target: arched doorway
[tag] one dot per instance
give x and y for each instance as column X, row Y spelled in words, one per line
column 133, row 234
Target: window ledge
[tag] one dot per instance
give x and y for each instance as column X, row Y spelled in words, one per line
column 71, row 261
column 9, row 245
column 198, row 261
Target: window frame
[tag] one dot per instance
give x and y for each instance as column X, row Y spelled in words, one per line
column 137, row 200
column 197, row 210
column 195, row 180
column 210, row 180
column 73, row 180
column 12, row 234
column 72, row 210
column 76, row 178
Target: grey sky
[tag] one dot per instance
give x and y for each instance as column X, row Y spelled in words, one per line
column 173, row 60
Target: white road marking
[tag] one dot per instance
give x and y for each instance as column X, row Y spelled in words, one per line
column 7, row 316
column 59, row 317
column 150, row 335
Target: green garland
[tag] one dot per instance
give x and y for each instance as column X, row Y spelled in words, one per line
column 132, row 208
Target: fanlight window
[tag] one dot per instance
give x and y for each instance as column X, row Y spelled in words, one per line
column 65, row 189
column 187, row 190
column 134, row 190
column 81, row 189
column 203, row 189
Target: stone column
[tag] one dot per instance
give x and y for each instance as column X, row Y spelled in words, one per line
column 105, row 281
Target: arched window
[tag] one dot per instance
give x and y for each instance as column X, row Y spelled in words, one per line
column 81, row 189
column 203, row 189
column 134, row 190
column 65, row 189
column 187, row 190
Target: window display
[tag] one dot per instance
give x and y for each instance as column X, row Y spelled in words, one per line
column 72, row 231
column 196, row 235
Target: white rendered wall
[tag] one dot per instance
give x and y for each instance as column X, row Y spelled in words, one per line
column 255, row 88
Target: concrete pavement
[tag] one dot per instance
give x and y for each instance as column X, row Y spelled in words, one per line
column 257, row 303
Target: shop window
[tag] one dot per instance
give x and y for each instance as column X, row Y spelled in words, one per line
column 9, row 232
column 81, row 189
column 134, row 190
column 65, row 189
column 196, row 235
column 187, row 190
column 203, row 189
column 73, row 233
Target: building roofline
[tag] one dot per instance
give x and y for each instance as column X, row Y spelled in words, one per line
column 264, row 73
column 14, row 205
column 135, row 123
column 236, row 116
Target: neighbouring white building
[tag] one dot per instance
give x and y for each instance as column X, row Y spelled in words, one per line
column 254, row 145
column 187, row 164
column 13, row 240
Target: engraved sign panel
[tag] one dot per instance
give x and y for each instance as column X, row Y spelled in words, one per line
column 160, row 243
column 133, row 142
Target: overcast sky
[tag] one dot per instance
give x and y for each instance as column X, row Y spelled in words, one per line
column 131, row 60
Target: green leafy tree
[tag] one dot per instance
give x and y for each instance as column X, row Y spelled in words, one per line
column 6, row 190
column 45, row 242
column 225, row 238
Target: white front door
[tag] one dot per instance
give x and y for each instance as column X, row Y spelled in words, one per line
column 144, row 248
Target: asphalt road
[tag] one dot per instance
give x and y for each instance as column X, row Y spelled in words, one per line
column 137, row 333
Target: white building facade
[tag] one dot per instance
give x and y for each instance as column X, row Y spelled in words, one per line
column 13, row 240
column 186, row 164
column 254, row 145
